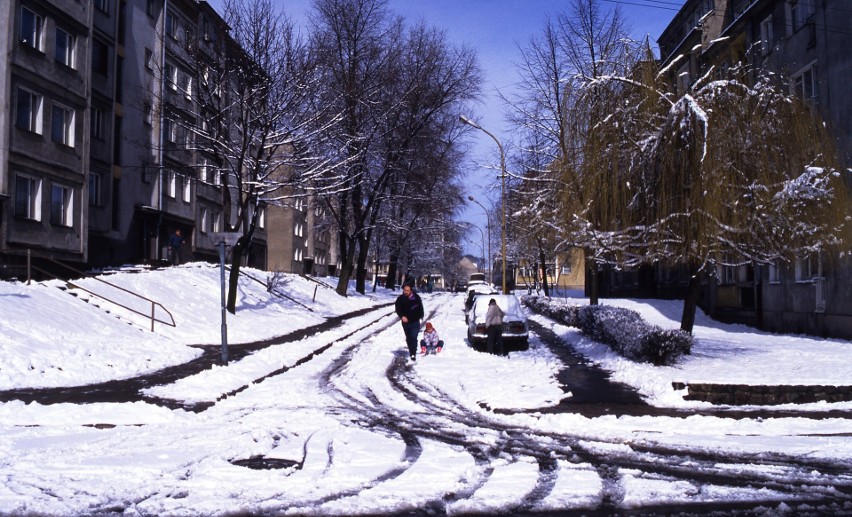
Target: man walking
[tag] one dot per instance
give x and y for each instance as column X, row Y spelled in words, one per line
column 409, row 308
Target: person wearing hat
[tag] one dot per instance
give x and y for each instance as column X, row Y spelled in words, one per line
column 430, row 343
column 494, row 328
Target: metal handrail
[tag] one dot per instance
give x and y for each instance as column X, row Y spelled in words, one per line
column 154, row 304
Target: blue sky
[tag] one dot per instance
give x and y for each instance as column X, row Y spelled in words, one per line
column 496, row 29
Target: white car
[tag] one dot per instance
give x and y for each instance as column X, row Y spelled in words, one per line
column 515, row 331
column 475, row 291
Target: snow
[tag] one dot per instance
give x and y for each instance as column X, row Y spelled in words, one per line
column 358, row 431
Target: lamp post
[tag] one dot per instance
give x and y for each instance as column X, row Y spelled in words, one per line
column 488, row 230
column 473, row 124
column 482, row 236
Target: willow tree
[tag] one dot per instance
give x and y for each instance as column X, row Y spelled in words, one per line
column 725, row 173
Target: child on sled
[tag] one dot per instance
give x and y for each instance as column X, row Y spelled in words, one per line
column 431, row 343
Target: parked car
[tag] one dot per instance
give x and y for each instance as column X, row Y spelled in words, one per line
column 472, row 292
column 515, row 330
column 476, row 278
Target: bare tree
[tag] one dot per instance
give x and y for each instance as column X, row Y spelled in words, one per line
column 390, row 84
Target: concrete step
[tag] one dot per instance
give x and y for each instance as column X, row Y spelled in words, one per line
column 763, row 395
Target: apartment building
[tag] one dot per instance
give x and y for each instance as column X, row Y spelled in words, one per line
column 104, row 124
column 801, row 42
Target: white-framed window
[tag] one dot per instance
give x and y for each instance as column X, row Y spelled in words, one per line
column 149, row 114
column 184, row 83
column 297, row 255
column 804, row 84
column 807, row 268
column 187, row 189
column 98, row 123
column 170, row 130
column 32, row 29
column 774, row 274
column 62, row 125
column 767, row 37
column 65, row 47
column 151, row 8
column 102, row 5
column 95, row 186
column 28, row 197
column 205, row 220
column 216, row 219
column 170, row 72
column 261, row 218
column 171, row 183
column 29, row 109
column 298, row 229
column 172, row 25
column 61, row 205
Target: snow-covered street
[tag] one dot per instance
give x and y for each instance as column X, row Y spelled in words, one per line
column 342, row 423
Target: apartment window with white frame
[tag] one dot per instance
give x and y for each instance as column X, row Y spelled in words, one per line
column 102, row 5
column 172, row 25
column 149, row 114
column 151, row 8
column 767, row 38
column 62, row 125
column 807, row 268
column 29, row 108
column 65, row 46
column 28, row 197
column 32, row 29
column 149, row 60
column 61, row 205
column 170, row 74
column 804, row 84
column 171, row 184
column 205, row 220
column 187, row 189
column 261, row 218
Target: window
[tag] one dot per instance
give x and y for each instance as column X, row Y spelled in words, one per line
column 187, row 189
column 62, row 125
column 149, row 59
column 149, row 113
column 65, row 46
column 98, row 126
column 29, row 111
column 148, row 172
column 32, row 29
column 171, row 184
column 61, row 205
column 298, row 229
column 151, row 8
column 804, row 84
column 28, row 197
column 205, row 220
column 216, row 218
column 261, row 218
column 767, row 38
column 172, row 25
column 170, row 76
column 95, row 189
column 800, row 13
column 100, row 57
column 774, row 274
column 807, row 268
column 185, row 84
column 169, row 131
column 102, row 5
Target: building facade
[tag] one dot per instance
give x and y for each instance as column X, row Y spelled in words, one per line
column 105, row 122
column 798, row 41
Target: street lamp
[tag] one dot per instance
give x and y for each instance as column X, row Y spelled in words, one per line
column 465, row 120
column 488, row 230
column 482, row 236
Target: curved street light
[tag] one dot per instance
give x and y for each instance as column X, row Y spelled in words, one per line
column 482, row 236
column 488, row 231
column 465, row 120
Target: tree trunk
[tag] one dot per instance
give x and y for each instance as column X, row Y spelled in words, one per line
column 393, row 267
column 541, row 260
column 361, row 269
column 347, row 256
column 592, row 280
column 690, row 302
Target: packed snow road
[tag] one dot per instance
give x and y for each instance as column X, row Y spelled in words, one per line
column 342, row 423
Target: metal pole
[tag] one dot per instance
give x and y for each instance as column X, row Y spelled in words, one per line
column 222, row 281
column 488, row 231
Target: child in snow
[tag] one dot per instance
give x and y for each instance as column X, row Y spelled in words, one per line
column 430, row 342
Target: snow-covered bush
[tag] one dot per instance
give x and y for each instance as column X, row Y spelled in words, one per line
column 622, row 329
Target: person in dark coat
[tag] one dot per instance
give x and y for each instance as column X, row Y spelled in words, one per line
column 409, row 308
column 176, row 242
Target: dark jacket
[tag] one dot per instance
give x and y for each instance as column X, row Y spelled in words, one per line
column 412, row 307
